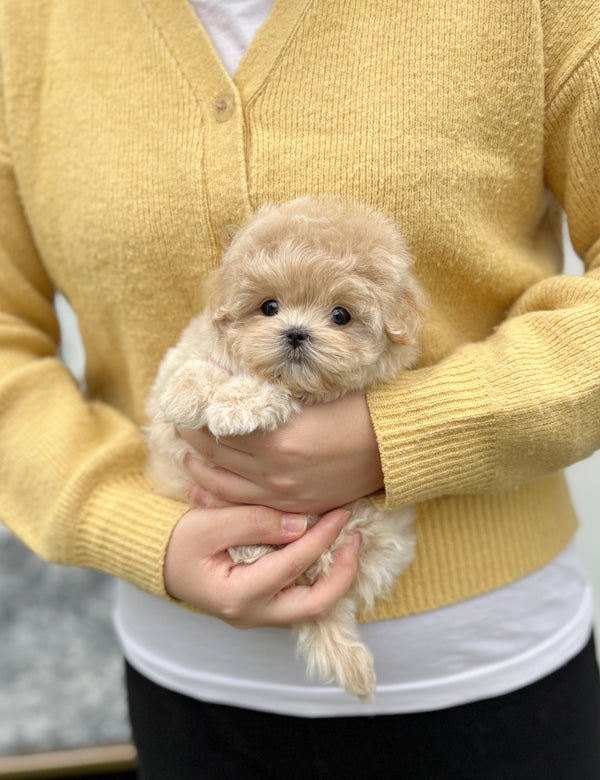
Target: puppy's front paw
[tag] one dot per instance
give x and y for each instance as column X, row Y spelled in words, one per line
column 187, row 393
column 244, row 404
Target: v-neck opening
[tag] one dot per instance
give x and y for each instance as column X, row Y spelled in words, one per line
column 267, row 46
column 191, row 46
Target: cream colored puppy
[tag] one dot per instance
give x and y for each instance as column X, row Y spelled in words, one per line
column 314, row 298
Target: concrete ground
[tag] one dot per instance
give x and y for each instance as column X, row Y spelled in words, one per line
column 60, row 666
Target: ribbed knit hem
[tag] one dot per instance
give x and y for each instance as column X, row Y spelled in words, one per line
column 468, row 545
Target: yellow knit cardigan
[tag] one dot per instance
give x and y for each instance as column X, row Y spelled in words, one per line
column 126, row 155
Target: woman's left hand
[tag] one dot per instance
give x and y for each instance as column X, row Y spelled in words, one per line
column 323, row 458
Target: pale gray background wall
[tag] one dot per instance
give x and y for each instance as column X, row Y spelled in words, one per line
column 584, row 480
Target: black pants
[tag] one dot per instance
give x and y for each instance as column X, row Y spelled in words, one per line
column 549, row 730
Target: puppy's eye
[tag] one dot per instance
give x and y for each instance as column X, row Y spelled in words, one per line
column 270, row 308
column 340, row 316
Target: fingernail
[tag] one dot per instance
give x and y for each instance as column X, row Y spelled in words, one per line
column 293, row 523
column 342, row 515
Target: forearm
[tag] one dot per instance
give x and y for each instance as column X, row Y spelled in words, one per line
column 72, row 485
column 519, row 406
column 71, row 471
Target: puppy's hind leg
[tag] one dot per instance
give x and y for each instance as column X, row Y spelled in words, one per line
column 249, row 553
column 334, row 651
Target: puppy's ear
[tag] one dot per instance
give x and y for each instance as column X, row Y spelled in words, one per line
column 405, row 316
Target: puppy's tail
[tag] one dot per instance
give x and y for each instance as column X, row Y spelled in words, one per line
column 335, row 653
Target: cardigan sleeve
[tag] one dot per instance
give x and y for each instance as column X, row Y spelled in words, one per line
column 72, row 482
column 525, row 402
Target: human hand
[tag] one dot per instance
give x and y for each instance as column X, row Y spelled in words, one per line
column 199, row 571
column 323, row 458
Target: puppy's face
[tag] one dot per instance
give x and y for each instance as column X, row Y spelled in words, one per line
column 316, row 318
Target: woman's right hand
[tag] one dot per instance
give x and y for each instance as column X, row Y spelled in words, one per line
column 199, row 571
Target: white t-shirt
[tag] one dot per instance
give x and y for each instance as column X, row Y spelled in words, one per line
column 475, row 649
column 231, row 25
column 482, row 647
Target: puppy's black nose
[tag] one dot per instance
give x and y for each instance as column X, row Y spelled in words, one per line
column 296, row 336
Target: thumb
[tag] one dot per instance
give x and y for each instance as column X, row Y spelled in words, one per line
column 224, row 527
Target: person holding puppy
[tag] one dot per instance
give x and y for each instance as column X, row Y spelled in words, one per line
column 126, row 160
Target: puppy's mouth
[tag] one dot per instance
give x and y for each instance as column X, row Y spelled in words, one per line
column 300, row 365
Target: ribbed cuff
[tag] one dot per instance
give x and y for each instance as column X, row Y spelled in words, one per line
column 435, row 431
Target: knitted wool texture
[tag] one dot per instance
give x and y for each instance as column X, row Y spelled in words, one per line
column 126, row 156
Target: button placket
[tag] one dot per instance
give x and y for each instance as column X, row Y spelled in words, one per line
column 225, row 162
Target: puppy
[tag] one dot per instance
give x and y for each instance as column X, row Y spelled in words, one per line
column 314, row 298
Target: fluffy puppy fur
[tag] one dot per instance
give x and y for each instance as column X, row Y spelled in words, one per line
column 314, row 298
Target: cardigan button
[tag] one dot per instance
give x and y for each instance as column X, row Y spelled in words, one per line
column 226, row 235
column 223, row 107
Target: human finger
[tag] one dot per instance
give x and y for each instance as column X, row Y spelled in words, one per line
column 210, row 448
column 279, row 569
column 252, row 524
column 198, row 495
column 304, row 602
column 221, row 484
